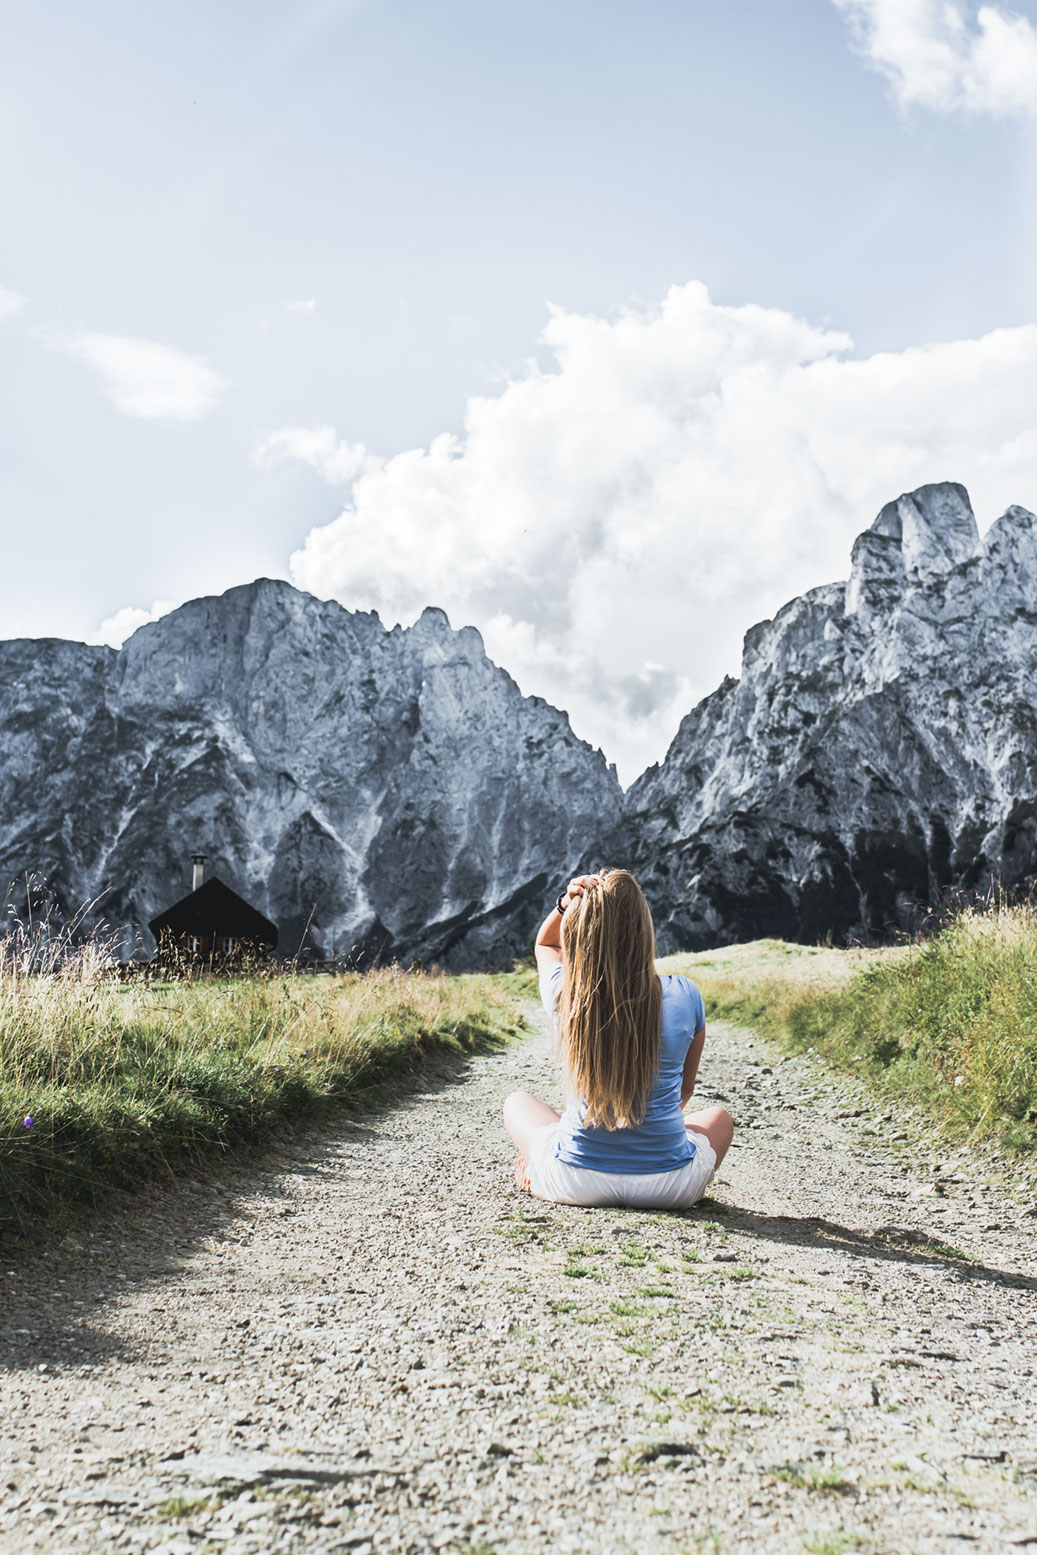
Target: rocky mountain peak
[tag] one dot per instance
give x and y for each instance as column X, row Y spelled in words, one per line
column 433, row 621
column 434, row 637
column 375, row 792
column 937, row 528
column 919, row 536
column 1009, row 558
column 852, row 774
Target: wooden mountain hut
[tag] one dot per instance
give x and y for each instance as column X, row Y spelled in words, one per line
column 212, row 923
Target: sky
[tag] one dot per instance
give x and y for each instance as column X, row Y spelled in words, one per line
column 603, row 326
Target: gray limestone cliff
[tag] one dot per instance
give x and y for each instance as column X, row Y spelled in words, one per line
column 879, row 747
column 393, row 789
column 396, row 792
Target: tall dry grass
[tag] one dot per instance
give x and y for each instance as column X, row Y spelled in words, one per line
column 105, row 1082
column 950, row 1023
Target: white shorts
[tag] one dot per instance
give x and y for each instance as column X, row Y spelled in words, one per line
column 551, row 1179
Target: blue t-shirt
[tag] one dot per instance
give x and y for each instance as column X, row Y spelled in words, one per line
column 660, row 1143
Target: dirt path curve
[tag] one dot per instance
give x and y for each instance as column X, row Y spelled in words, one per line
column 373, row 1344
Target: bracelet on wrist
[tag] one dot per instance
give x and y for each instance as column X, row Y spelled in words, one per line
column 561, row 903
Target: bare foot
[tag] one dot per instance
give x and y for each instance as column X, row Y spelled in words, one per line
column 522, row 1181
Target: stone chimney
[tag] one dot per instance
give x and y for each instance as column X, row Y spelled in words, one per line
column 198, row 872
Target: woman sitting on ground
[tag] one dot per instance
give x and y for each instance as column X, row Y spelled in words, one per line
column 631, row 1044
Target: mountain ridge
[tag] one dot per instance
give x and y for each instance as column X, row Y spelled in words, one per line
column 836, row 787
column 319, row 758
column 395, row 789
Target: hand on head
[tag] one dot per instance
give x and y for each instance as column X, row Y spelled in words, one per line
column 581, row 883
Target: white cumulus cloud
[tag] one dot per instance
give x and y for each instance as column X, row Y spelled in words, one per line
column 937, row 55
column 303, row 305
column 10, row 302
column 143, row 378
column 320, row 447
column 113, row 631
column 613, row 525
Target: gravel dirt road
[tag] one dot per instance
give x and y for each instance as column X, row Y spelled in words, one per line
column 371, row 1342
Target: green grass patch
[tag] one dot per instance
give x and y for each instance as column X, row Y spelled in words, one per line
column 624, row 1307
column 822, row 1481
column 633, row 1256
column 105, row 1084
column 835, row 1542
column 949, row 1024
column 184, row 1506
column 945, row 1250
column 574, row 1270
column 561, row 1306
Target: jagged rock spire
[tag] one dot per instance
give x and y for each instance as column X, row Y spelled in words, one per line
column 920, row 535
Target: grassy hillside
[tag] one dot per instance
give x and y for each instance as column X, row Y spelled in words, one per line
column 104, row 1083
column 950, row 1024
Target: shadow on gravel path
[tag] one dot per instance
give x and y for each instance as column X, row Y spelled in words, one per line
column 54, row 1275
column 898, row 1244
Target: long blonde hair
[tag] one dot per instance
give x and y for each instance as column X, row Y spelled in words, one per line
column 610, row 1010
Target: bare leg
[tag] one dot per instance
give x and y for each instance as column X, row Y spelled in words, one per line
column 717, row 1125
column 523, row 1115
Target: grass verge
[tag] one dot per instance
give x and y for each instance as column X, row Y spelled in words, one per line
column 949, row 1024
column 107, row 1084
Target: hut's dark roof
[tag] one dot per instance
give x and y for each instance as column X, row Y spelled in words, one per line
column 215, row 909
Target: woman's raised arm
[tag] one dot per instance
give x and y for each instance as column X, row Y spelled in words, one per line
column 548, row 946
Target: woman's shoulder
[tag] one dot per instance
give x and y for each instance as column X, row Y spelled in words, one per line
column 681, row 991
column 677, row 983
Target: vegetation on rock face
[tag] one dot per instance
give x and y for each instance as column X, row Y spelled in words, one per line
column 105, row 1083
column 950, row 1023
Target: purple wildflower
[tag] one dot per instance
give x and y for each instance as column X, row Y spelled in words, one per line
column 28, row 1120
